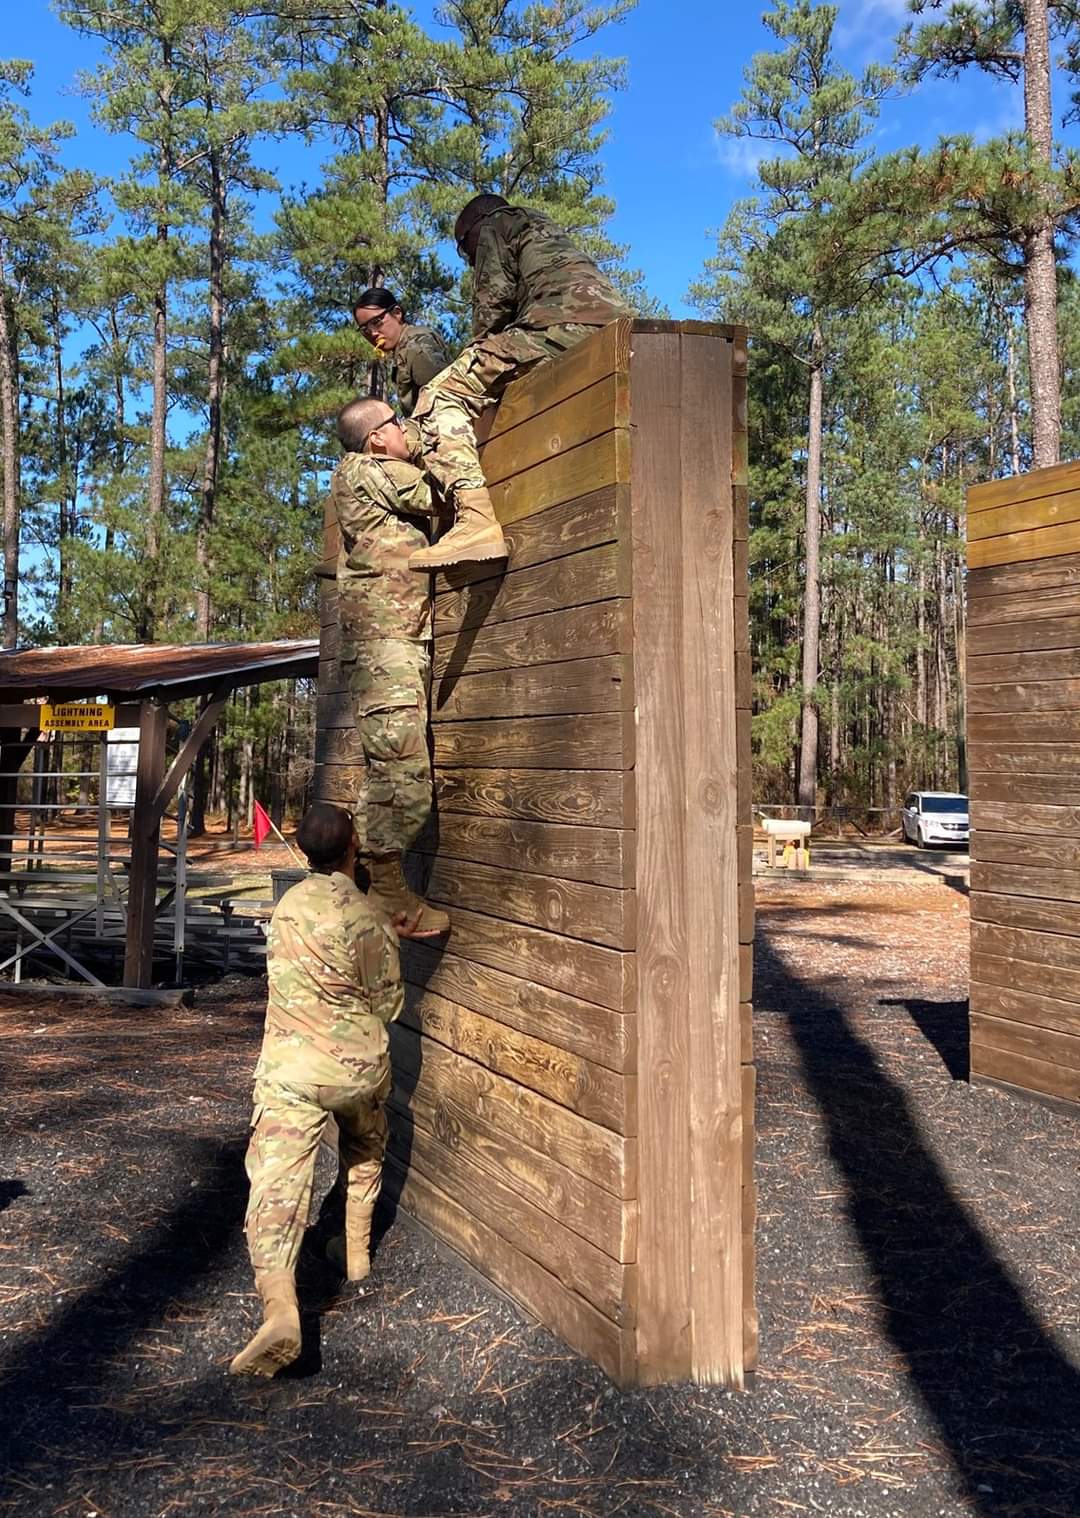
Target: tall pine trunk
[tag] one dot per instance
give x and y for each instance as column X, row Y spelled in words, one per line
column 1040, row 271
column 808, row 746
column 155, row 506
column 9, row 423
column 215, row 387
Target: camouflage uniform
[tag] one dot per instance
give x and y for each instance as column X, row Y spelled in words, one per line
column 534, row 296
column 335, row 984
column 419, row 356
column 385, row 614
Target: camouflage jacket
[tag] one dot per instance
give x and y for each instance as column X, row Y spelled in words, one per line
column 528, row 273
column 335, row 982
column 382, row 507
column 419, row 356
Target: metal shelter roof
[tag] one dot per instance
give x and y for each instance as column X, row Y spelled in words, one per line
column 141, row 670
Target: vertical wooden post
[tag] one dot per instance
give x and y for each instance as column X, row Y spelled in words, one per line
column 690, row 1313
column 145, row 833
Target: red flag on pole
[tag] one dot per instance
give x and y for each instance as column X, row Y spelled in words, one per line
column 263, row 825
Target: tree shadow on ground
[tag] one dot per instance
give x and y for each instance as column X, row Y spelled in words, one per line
column 1000, row 1391
column 11, row 1191
column 943, row 1024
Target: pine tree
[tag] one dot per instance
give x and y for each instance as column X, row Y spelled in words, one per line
column 772, row 266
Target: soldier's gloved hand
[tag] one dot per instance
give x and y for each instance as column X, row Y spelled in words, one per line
column 404, row 925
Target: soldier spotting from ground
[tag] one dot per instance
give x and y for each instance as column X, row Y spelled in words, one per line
column 416, row 354
column 535, row 294
column 383, row 505
column 334, row 985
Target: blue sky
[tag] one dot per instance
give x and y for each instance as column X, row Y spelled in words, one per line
column 670, row 176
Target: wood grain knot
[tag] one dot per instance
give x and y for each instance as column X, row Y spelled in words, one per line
column 666, row 974
column 554, row 443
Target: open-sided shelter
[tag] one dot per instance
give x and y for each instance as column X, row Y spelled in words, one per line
column 138, row 682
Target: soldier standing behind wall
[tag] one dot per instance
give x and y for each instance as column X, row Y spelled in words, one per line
column 334, row 985
column 534, row 296
column 416, row 354
column 383, row 504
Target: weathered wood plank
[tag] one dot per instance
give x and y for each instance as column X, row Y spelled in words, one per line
column 577, row 579
column 1049, row 695
column 582, row 798
column 601, row 741
column 604, row 1096
column 1040, row 979
column 1025, row 1007
column 579, row 1265
column 582, row 969
column 1020, row 728
column 1024, row 516
column 585, row 522
column 1046, row 948
column 710, row 611
column 606, row 352
column 1030, row 1074
column 1059, row 634
column 592, row 466
column 1009, row 757
column 1024, row 818
column 597, row 856
column 543, row 436
column 664, row 955
column 1019, row 880
column 595, row 913
column 1033, row 486
column 569, row 1167
column 603, row 628
column 1041, row 851
column 581, row 1027
column 1017, row 547
column 1026, row 912
column 1028, row 579
column 578, row 686
column 539, row 1292
column 1025, row 605
column 1053, row 789
column 1042, row 667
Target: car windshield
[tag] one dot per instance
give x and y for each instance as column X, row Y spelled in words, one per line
column 944, row 803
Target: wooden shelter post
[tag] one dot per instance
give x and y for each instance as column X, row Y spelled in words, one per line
column 145, row 836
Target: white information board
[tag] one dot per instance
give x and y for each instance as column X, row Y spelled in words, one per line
column 122, row 762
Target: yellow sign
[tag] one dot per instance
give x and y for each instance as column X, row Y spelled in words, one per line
column 78, row 717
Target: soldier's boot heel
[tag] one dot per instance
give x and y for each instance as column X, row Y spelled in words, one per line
column 350, row 1252
column 475, row 535
column 277, row 1342
column 389, row 885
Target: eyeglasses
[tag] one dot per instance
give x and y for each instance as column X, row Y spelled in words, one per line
column 390, row 421
column 372, row 325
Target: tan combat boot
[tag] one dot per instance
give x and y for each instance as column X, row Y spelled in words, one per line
column 475, row 535
column 388, row 883
column 350, row 1252
column 277, row 1342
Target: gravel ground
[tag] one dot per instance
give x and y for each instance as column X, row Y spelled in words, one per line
column 919, row 1282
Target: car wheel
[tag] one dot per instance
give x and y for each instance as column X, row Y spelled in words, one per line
column 920, row 841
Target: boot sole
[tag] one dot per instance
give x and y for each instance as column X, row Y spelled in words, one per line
column 481, row 556
column 268, row 1361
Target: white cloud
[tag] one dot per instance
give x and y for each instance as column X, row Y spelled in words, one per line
column 743, row 156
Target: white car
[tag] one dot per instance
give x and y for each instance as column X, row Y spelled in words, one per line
column 935, row 817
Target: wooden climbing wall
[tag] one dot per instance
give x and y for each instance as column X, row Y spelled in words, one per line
column 1023, row 734
column 574, row 1087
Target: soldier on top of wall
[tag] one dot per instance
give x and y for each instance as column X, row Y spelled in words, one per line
column 383, row 505
column 417, row 354
column 535, row 294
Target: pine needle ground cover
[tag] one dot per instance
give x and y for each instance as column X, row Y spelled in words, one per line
column 918, row 1281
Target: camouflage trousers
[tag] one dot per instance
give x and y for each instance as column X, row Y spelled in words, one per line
column 286, row 1125
column 450, row 404
column 391, row 798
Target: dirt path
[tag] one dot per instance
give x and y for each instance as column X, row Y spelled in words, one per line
column 919, row 1282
